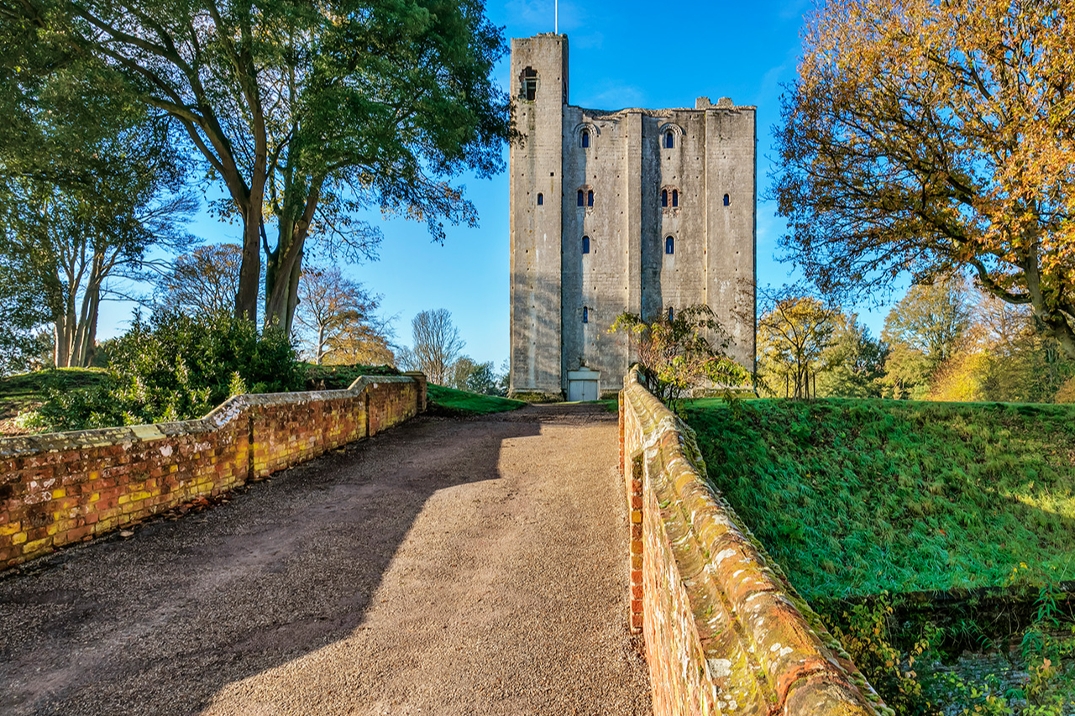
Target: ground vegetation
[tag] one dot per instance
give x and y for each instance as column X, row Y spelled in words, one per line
column 900, row 520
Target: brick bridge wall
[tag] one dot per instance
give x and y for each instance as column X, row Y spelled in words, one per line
column 725, row 632
column 62, row 488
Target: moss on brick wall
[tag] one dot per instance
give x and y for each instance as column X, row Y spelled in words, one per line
column 724, row 631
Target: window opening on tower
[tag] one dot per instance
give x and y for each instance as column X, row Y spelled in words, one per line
column 669, row 140
column 585, row 244
column 528, row 88
column 669, row 245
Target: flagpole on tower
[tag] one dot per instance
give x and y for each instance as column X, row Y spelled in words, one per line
column 556, row 16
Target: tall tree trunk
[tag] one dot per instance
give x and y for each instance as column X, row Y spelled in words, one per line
column 246, row 298
column 60, row 347
column 320, row 344
column 284, row 265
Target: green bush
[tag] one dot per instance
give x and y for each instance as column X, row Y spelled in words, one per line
column 83, row 408
column 176, row 367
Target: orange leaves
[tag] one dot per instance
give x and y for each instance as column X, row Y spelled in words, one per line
column 931, row 137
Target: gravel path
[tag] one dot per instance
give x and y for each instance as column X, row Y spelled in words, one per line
column 470, row 566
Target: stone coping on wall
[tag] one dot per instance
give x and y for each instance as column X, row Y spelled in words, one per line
column 61, row 488
column 725, row 631
column 228, row 411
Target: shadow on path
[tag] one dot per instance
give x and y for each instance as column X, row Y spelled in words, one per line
column 164, row 622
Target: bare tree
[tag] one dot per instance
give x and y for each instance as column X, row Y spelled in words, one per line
column 437, row 344
column 202, row 282
column 339, row 316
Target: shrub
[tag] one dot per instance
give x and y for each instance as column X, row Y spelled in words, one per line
column 175, row 367
column 178, row 367
column 94, row 406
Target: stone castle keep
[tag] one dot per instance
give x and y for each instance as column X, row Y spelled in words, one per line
column 637, row 210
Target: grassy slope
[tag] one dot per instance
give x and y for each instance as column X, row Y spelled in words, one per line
column 462, row 402
column 856, row 496
column 20, row 391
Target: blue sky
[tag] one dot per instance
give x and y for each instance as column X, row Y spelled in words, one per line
column 623, row 53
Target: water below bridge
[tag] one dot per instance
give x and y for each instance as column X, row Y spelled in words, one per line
column 473, row 566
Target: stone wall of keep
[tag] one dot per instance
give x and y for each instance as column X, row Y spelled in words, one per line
column 724, row 630
column 63, row 488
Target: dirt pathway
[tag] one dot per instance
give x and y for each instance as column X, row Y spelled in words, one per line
column 445, row 567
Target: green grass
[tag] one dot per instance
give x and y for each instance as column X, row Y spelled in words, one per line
column 25, row 389
column 340, row 377
column 460, row 402
column 853, row 497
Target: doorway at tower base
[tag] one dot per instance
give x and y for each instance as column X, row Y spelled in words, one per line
column 583, row 384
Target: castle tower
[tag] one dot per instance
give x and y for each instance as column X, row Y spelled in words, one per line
column 539, row 71
column 635, row 210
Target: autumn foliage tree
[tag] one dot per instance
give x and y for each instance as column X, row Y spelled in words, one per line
column 339, row 318
column 793, row 336
column 933, row 138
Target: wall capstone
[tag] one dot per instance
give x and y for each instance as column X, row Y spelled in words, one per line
column 62, row 488
column 725, row 631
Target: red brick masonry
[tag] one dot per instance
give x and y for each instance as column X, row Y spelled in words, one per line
column 725, row 632
column 61, row 488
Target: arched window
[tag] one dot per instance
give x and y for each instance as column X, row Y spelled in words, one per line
column 669, row 139
column 589, row 198
column 664, row 197
column 727, row 200
column 585, row 139
column 669, row 245
column 671, row 314
column 585, row 244
column 585, row 314
column 582, row 198
column 541, row 199
column 675, row 198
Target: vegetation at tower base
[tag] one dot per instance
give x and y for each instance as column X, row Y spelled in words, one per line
column 930, row 138
column 305, row 113
column 935, row 539
column 676, row 354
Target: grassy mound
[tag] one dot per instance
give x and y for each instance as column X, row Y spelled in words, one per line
column 340, row 377
column 449, row 401
column 18, row 392
column 853, row 497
